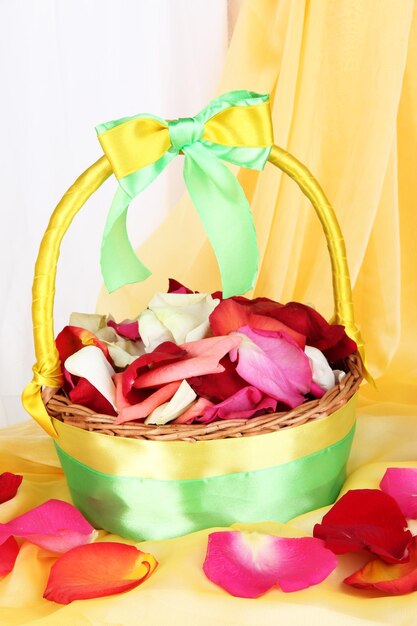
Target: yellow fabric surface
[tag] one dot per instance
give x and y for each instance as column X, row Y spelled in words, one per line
column 343, row 76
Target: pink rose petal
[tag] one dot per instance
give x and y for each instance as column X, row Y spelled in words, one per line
column 196, row 410
column 203, row 357
column 145, row 408
column 274, row 363
column 244, row 404
column 164, row 353
column 55, row 525
column 401, row 484
column 247, row 565
column 8, row 555
column 127, row 329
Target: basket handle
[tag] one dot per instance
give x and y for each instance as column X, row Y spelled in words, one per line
column 47, row 370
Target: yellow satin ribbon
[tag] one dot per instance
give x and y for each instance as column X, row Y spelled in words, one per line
column 47, row 371
column 237, row 126
column 180, row 460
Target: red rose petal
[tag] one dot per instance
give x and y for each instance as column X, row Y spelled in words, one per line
column 72, row 338
column 97, row 570
column 9, row 484
column 366, row 519
column 218, row 387
column 247, row 565
column 230, row 315
column 8, row 555
column 392, row 579
column 175, row 287
column 86, row 394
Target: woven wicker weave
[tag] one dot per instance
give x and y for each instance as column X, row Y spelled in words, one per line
column 60, row 406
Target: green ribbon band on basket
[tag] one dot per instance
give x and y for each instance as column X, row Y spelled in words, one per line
column 236, row 127
column 145, row 508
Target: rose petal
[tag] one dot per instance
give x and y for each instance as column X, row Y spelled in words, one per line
column 196, row 410
column 181, row 401
column 186, row 316
column 122, row 351
column 175, row 287
column 366, row 519
column 244, row 404
column 202, row 358
column 97, row 570
column 218, row 387
column 230, row 315
column 393, row 579
column 322, row 372
column 401, row 484
column 331, row 339
column 85, row 394
column 153, row 331
column 72, row 338
column 9, row 484
column 90, row 321
column 127, row 413
column 55, row 525
column 275, row 364
column 90, row 363
column 8, row 555
column 164, row 353
column 129, row 329
column 247, row 565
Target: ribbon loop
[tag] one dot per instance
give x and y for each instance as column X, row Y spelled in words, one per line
column 184, row 132
column 235, row 127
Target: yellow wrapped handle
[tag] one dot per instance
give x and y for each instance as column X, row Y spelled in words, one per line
column 47, row 371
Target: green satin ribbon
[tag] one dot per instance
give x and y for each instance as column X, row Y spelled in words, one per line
column 144, row 508
column 205, row 140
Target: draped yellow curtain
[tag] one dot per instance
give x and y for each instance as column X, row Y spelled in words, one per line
column 343, row 79
column 342, row 75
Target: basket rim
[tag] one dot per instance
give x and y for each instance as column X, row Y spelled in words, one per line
column 60, row 407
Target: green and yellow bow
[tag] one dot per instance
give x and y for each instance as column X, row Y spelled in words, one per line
column 235, row 127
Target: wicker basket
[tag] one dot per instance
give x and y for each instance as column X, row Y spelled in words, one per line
column 145, row 481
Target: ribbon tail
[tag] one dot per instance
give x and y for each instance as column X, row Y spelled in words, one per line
column 224, row 211
column 119, row 264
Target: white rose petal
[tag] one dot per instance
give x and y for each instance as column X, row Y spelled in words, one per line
column 90, row 363
column 90, row 321
column 182, row 400
column 152, row 331
column 185, row 315
column 322, row 372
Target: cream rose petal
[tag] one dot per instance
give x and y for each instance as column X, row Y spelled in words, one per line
column 186, row 316
column 122, row 351
column 90, row 363
column 322, row 372
column 179, row 403
column 152, row 331
column 90, row 321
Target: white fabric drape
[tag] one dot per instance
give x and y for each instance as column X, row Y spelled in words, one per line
column 65, row 66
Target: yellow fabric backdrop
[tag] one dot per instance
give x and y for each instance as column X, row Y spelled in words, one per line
column 343, row 77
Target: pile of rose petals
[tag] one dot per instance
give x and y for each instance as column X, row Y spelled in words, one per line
column 84, row 569
column 192, row 357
